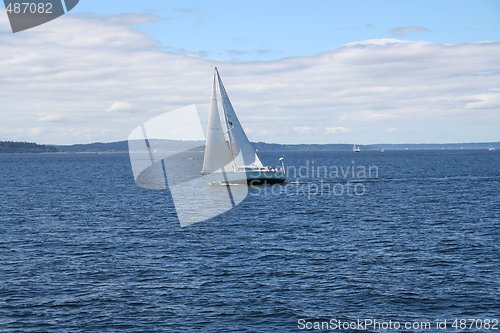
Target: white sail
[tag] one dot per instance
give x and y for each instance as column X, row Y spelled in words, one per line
column 241, row 149
column 217, row 152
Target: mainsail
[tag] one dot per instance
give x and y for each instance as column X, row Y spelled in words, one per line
column 217, row 152
column 243, row 152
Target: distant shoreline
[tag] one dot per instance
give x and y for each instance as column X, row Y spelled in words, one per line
column 122, row 147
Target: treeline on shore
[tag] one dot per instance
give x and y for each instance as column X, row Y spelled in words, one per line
column 122, row 146
column 25, row 147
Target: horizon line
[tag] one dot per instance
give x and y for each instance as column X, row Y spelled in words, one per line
column 270, row 143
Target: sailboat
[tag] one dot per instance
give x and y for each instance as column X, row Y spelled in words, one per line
column 356, row 149
column 229, row 155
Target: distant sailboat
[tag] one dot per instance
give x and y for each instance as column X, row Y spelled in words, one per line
column 356, row 149
column 229, row 155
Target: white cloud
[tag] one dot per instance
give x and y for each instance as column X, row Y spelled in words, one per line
column 337, row 130
column 35, row 131
column 50, row 117
column 488, row 100
column 119, row 106
column 81, row 66
column 392, row 130
column 303, row 130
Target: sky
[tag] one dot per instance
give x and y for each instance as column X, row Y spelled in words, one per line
column 296, row 71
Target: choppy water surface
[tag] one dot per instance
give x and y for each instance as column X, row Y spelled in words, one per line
column 83, row 249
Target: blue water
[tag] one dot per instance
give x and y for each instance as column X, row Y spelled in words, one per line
column 83, row 249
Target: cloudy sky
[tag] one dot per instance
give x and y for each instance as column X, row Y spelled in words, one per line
column 296, row 71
